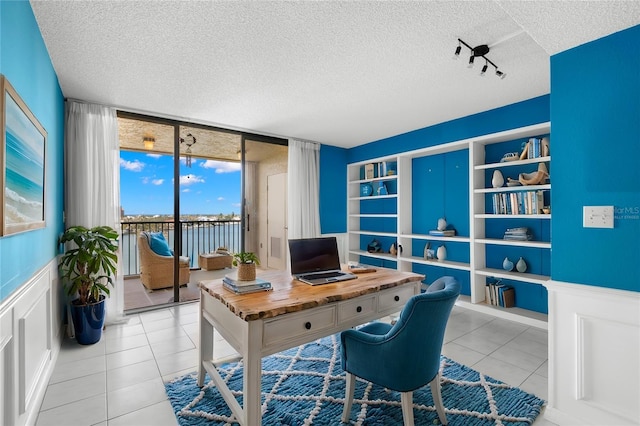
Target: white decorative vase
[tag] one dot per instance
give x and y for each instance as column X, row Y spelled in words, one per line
column 498, row 180
column 507, row 265
column 442, row 224
column 441, row 253
column 521, row 266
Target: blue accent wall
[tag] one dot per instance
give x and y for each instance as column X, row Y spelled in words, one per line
column 525, row 113
column 333, row 189
column 25, row 62
column 595, row 118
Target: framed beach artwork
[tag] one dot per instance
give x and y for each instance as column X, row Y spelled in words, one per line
column 22, row 160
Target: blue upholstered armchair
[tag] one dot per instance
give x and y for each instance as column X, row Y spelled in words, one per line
column 405, row 356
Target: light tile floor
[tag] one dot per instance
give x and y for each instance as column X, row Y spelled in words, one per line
column 119, row 380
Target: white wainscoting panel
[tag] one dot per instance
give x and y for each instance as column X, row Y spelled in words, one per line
column 30, row 341
column 594, row 355
column 6, row 364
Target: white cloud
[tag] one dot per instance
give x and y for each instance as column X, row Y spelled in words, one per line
column 157, row 181
column 145, row 180
column 190, row 179
column 186, row 190
column 156, row 156
column 236, row 205
column 221, row 166
column 132, row 166
column 220, row 198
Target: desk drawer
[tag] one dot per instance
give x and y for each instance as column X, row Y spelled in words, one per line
column 351, row 309
column 394, row 299
column 291, row 326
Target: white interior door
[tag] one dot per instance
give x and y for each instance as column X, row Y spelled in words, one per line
column 277, row 221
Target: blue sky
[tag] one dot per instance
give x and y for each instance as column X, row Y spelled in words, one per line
column 146, row 185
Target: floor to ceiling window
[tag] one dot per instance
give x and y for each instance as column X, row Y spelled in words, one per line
column 202, row 188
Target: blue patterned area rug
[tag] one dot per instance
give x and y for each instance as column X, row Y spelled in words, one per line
column 305, row 386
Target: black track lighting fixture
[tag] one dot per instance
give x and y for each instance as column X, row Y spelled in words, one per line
column 478, row 51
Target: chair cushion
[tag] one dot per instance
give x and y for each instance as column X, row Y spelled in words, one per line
column 158, row 244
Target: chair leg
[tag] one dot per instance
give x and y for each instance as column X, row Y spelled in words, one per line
column 348, row 397
column 406, row 400
column 437, row 399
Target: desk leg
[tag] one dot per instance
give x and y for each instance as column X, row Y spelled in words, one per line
column 205, row 353
column 252, row 405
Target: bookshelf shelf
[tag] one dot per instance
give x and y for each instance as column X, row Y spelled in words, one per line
column 375, row 233
column 441, row 264
column 373, row 197
column 454, row 239
column 373, row 215
column 512, row 216
column 384, row 256
column 515, row 276
column 524, row 316
column 515, row 243
column 513, row 189
column 376, row 179
column 513, row 163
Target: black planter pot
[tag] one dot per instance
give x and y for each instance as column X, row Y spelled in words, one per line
column 88, row 321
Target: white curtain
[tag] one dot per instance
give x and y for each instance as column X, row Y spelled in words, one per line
column 92, row 179
column 303, row 186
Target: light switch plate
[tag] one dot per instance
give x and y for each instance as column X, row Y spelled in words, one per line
column 597, row 217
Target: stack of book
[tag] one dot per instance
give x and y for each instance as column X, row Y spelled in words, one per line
column 517, row 234
column 445, row 233
column 231, row 283
column 498, row 294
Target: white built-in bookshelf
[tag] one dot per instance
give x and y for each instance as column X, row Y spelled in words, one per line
column 390, row 217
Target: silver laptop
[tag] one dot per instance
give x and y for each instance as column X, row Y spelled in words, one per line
column 315, row 261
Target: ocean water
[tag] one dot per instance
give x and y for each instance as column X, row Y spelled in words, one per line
column 24, row 181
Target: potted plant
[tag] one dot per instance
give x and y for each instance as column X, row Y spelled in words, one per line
column 86, row 270
column 246, row 263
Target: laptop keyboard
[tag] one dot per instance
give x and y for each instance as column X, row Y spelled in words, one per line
column 321, row 276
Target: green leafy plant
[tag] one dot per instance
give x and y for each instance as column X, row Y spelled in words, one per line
column 245, row 257
column 87, row 267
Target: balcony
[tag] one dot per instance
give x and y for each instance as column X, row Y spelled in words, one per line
column 197, row 237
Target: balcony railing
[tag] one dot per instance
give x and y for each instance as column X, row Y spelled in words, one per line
column 197, row 237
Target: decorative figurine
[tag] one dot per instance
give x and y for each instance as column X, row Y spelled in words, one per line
column 441, row 253
column 507, row 265
column 521, row 266
column 498, row 180
column 442, row 224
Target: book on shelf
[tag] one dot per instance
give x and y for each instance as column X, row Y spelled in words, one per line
column 498, row 294
column 522, row 202
column 517, row 234
column 244, row 289
column 445, row 233
column 369, row 171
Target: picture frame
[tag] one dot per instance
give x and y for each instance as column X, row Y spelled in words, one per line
column 22, row 160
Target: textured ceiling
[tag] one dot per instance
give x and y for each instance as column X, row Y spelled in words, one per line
column 339, row 73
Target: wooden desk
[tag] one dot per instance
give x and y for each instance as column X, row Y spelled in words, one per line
column 293, row 313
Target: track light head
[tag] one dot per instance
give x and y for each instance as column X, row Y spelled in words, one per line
column 471, row 58
column 500, row 74
column 457, row 54
column 484, row 69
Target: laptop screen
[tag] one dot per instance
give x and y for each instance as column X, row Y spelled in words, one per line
column 313, row 255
